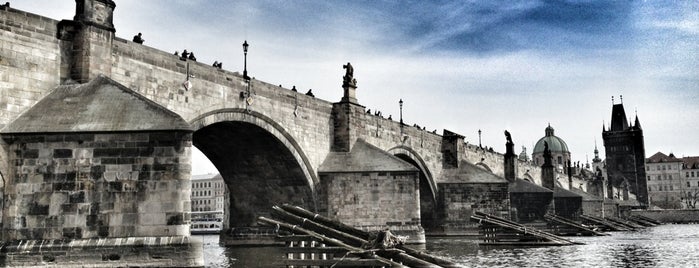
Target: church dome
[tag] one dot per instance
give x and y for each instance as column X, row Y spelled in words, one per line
column 556, row 144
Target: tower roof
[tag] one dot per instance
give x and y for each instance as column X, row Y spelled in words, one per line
column 619, row 121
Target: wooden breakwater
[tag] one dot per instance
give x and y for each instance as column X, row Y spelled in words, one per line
column 563, row 226
column 496, row 231
column 348, row 246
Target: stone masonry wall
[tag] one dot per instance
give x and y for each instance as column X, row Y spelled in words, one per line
column 88, row 185
column 458, row 201
column 159, row 75
column 105, row 252
column 670, row 215
column 30, row 61
column 372, row 199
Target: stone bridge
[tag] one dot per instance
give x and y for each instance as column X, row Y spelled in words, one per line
column 271, row 144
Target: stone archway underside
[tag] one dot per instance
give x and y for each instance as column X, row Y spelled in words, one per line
column 259, row 170
column 427, row 186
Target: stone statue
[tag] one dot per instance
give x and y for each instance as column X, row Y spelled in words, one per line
column 348, row 79
column 509, row 146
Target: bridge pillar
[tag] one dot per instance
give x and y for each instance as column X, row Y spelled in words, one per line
column 96, row 170
column 372, row 190
column 346, row 124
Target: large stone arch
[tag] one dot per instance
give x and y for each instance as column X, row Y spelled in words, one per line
column 261, row 163
column 419, row 163
column 484, row 166
column 428, row 188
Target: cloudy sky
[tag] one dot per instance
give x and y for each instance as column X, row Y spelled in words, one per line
column 457, row 65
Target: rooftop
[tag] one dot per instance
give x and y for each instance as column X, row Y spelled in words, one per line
column 364, row 157
column 662, row 158
column 101, row 105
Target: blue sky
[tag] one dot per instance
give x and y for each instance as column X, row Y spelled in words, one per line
column 458, row 65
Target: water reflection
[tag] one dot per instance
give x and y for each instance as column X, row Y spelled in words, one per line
column 632, row 255
column 663, row 246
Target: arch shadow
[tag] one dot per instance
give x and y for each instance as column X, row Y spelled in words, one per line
column 264, row 122
column 414, row 156
column 260, row 162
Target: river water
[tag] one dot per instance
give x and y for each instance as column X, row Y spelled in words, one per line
column 670, row 245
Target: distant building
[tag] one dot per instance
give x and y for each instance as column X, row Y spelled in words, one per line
column 665, row 182
column 690, row 168
column 625, row 157
column 208, row 193
column 558, row 147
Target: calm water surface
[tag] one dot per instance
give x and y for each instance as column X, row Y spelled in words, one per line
column 669, row 245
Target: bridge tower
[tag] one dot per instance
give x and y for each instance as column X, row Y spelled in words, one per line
column 625, row 155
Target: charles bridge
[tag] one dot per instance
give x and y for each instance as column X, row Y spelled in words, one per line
column 97, row 134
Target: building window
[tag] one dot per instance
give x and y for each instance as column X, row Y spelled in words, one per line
column 659, row 177
column 669, row 176
column 648, row 177
column 692, row 173
column 688, row 184
column 687, row 174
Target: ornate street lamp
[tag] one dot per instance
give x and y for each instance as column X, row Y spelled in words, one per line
column 479, row 139
column 245, row 60
column 247, row 95
column 400, row 102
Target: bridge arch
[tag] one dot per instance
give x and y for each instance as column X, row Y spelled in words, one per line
column 260, row 162
column 484, row 166
column 428, row 188
column 407, row 153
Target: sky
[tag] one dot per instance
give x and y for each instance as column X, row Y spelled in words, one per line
column 457, row 65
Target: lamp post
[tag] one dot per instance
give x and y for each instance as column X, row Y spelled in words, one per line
column 247, row 96
column 245, row 60
column 479, row 139
column 400, row 102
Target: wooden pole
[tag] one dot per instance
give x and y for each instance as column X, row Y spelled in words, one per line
column 356, row 233
column 319, row 237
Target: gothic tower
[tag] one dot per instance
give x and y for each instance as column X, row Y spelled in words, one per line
column 625, row 155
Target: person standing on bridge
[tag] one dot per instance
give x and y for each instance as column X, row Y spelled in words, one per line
column 138, row 39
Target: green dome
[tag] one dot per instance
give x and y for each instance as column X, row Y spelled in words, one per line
column 556, row 144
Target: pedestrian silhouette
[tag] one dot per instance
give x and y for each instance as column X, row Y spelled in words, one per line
column 138, row 39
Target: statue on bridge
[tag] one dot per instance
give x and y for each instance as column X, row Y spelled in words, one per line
column 509, row 145
column 547, row 155
column 348, row 79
